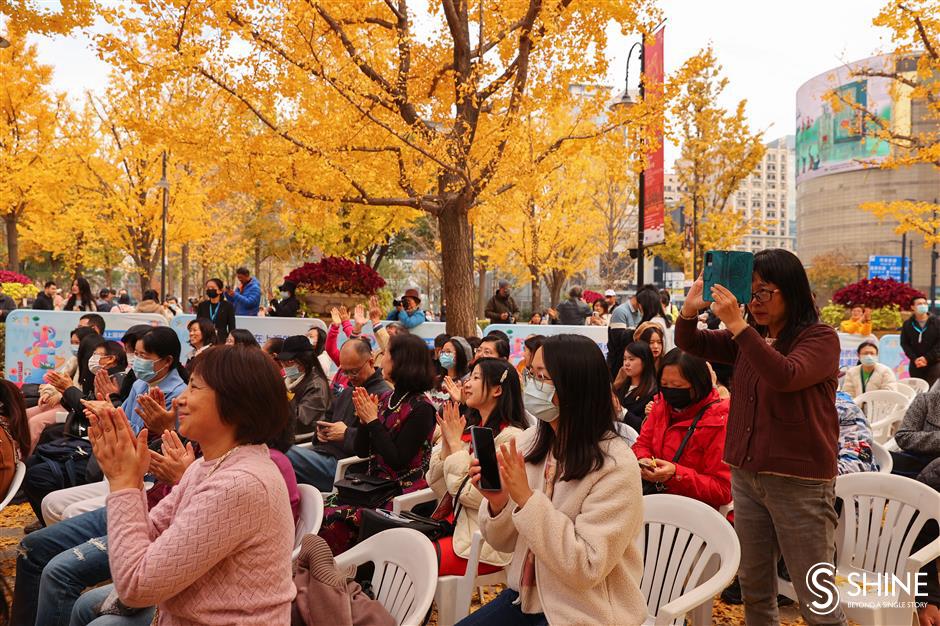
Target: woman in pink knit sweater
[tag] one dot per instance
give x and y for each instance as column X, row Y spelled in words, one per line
column 199, row 554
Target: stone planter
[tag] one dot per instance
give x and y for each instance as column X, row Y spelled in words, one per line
column 320, row 304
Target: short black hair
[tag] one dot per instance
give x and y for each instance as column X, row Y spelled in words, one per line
column 244, row 337
column 210, row 335
column 498, row 333
column 94, row 320
column 104, row 293
column 692, row 368
column 867, row 344
column 218, row 283
column 440, row 340
column 274, row 344
column 135, row 332
column 49, row 283
column 116, row 349
column 533, row 343
column 242, row 271
column 260, row 416
column 412, row 367
column 500, row 345
column 150, row 294
column 784, row 269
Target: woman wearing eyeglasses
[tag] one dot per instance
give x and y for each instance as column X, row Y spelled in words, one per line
column 570, row 506
column 783, row 430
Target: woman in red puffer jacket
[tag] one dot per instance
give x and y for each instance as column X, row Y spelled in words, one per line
column 686, row 391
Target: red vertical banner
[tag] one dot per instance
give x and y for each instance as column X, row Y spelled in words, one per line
column 654, row 214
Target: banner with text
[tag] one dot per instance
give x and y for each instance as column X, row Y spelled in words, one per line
column 519, row 332
column 263, row 328
column 654, row 205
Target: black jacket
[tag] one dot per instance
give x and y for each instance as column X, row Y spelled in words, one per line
column 636, row 407
column 344, row 411
column 926, row 344
column 288, row 307
column 499, row 305
column 224, row 318
column 6, row 305
column 43, row 302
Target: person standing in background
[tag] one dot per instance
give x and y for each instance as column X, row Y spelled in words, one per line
column 920, row 340
column 246, row 298
column 502, row 309
column 218, row 311
column 573, row 311
column 104, row 303
column 45, row 301
column 287, row 305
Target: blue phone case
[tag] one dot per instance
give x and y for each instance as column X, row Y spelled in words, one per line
column 730, row 269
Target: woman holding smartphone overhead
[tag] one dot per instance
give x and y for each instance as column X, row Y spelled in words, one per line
column 494, row 396
column 570, row 507
column 783, row 430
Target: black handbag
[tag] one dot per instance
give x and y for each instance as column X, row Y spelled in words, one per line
column 650, row 488
column 365, row 491
column 434, row 527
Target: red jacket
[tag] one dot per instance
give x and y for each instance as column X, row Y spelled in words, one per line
column 700, row 472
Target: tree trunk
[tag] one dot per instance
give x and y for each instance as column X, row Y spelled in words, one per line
column 108, row 275
column 481, row 290
column 13, row 243
column 184, row 279
column 258, row 258
column 536, row 295
column 456, row 254
column 555, row 281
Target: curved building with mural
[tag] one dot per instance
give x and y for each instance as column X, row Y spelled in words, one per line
column 837, row 166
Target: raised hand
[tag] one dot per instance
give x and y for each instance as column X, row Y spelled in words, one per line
column 375, row 313
column 154, row 413
column 334, row 316
column 359, row 316
column 452, row 425
column 105, row 385
column 343, row 314
column 453, row 389
column 170, row 466
column 367, row 406
column 123, row 458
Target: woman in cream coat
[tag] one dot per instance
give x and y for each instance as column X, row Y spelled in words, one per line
column 869, row 375
column 571, row 507
column 494, row 398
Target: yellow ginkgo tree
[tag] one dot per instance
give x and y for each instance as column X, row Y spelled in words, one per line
column 385, row 106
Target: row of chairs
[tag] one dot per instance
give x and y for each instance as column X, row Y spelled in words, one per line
column 690, row 553
column 885, row 408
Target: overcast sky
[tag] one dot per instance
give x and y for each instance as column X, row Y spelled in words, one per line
column 768, row 49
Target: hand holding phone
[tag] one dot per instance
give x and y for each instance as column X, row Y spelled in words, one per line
column 484, row 450
column 732, row 270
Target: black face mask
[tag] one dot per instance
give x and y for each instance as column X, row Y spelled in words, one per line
column 677, row 398
column 212, row 293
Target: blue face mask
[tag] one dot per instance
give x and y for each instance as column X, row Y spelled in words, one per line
column 73, row 348
column 291, row 372
column 144, row 370
column 447, row 360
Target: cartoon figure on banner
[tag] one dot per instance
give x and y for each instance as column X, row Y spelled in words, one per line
column 40, row 355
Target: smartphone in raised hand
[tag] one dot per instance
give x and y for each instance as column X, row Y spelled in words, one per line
column 484, row 449
column 730, row 269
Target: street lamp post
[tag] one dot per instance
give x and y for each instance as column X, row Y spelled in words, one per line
column 627, row 101
column 164, row 184
column 933, row 264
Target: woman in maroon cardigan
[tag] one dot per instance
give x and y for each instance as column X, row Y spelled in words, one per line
column 782, row 431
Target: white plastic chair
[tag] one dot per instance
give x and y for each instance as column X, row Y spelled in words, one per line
column 311, row 515
column 904, row 390
column 341, row 467
column 881, row 517
column 405, row 571
column 884, row 410
column 684, row 538
column 453, row 593
column 882, row 457
column 919, row 385
column 18, row 477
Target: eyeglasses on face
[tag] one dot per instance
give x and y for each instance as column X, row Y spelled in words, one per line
column 763, row 295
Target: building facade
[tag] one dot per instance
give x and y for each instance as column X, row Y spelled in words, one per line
column 837, row 170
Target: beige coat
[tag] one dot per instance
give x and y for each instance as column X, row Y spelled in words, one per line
column 881, row 378
column 445, row 476
column 586, row 540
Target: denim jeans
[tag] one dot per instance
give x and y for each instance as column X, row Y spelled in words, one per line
column 502, row 611
column 782, row 514
column 86, row 611
column 55, row 564
column 313, row 468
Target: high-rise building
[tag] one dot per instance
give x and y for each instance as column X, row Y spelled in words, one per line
column 766, row 197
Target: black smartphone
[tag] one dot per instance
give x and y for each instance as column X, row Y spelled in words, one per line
column 484, row 449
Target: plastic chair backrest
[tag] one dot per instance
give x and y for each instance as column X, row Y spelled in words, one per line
column 881, row 517
column 878, row 405
column 405, row 571
column 882, row 457
column 682, row 536
column 18, row 477
column 311, row 515
column 919, row 385
column 905, row 390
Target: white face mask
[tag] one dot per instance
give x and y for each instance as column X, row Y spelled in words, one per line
column 539, row 402
column 285, row 295
column 869, row 359
column 94, row 363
